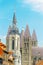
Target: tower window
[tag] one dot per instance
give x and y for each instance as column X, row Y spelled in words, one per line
column 24, row 45
column 13, row 44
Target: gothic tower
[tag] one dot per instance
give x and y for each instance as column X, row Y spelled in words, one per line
column 26, row 48
column 34, row 39
column 13, row 41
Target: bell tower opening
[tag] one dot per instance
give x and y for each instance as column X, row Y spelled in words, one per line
column 13, row 43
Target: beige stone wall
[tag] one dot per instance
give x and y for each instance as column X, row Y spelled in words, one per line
column 9, row 42
column 16, row 49
column 26, row 53
column 7, row 63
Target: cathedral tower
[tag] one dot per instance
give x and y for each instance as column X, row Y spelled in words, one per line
column 26, row 48
column 13, row 41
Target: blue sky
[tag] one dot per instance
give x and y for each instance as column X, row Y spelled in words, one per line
column 27, row 12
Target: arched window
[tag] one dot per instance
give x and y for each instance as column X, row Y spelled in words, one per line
column 13, row 43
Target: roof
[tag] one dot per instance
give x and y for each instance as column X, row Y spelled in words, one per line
column 13, row 29
column 36, row 51
column 1, row 51
column 3, row 46
column 40, row 62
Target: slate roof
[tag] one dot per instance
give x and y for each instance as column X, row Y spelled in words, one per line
column 13, row 29
column 37, row 51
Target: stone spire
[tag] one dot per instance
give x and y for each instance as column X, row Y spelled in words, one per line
column 34, row 37
column 27, row 32
column 14, row 19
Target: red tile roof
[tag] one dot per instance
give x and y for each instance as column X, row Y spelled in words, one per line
column 1, row 51
column 40, row 62
column 3, row 46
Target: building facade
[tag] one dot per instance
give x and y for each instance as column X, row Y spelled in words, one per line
column 13, row 41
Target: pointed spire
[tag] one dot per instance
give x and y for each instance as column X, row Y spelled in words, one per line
column 34, row 37
column 14, row 19
column 27, row 32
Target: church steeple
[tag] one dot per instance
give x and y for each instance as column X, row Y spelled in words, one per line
column 14, row 19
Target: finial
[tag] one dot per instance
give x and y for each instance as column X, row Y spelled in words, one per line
column 14, row 19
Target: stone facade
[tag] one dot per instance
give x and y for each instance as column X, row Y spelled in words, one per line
column 26, row 47
column 27, row 43
column 13, row 42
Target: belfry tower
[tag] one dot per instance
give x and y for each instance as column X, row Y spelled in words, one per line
column 13, row 41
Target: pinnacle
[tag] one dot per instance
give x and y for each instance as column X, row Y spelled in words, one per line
column 34, row 37
column 27, row 32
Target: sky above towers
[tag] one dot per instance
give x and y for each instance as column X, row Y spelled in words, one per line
column 27, row 12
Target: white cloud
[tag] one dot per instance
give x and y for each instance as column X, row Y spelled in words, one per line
column 36, row 5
